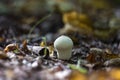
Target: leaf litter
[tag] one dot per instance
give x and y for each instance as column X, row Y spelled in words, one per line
column 95, row 55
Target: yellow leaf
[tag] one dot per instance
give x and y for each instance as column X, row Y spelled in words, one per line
column 79, row 22
column 115, row 74
column 100, row 4
column 76, row 75
column 51, row 49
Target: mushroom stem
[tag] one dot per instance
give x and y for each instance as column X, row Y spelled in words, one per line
column 64, row 54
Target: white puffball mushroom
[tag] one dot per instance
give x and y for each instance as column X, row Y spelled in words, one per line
column 63, row 45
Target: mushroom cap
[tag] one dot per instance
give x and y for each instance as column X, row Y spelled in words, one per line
column 63, row 42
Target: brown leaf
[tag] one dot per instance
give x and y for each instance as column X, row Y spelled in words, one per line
column 96, row 55
column 3, row 56
column 99, row 75
column 91, row 58
column 112, row 56
column 113, row 62
column 24, row 46
column 10, row 47
column 100, row 55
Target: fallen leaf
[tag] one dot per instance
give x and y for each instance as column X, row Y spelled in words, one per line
column 99, row 75
column 78, row 22
column 51, row 49
column 76, row 75
column 115, row 74
column 42, row 44
column 3, row 56
column 113, row 62
column 100, row 55
column 96, row 55
column 11, row 47
column 111, row 56
column 24, row 46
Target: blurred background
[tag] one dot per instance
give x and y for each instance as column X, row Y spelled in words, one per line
column 92, row 18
